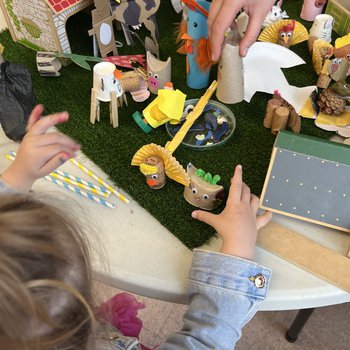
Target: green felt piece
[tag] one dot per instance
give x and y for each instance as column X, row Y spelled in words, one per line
column 313, row 146
column 113, row 148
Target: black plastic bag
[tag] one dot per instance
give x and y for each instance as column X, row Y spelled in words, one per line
column 16, row 99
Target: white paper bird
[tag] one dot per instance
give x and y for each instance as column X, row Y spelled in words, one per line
column 262, row 72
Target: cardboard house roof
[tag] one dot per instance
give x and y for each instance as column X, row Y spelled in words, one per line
column 58, row 6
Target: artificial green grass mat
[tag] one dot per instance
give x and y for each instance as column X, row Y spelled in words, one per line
column 113, row 149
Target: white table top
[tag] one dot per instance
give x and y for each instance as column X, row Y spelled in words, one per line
column 134, row 252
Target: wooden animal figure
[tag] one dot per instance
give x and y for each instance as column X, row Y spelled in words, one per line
column 203, row 191
column 106, row 88
column 195, row 36
column 102, row 22
column 134, row 13
column 275, row 14
column 285, row 34
column 159, row 73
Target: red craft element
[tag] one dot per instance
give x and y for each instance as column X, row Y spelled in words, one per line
column 60, row 5
column 289, row 27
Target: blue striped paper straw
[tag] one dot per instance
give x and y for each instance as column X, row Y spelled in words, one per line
column 80, row 192
column 84, row 182
column 77, row 179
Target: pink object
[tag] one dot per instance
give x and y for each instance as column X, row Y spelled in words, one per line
column 121, row 311
column 126, row 60
column 311, row 8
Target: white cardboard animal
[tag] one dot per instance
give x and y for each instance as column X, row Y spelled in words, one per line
column 276, row 14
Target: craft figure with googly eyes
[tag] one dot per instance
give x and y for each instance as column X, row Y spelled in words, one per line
column 159, row 73
column 153, row 169
column 203, row 192
column 338, row 68
column 285, row 34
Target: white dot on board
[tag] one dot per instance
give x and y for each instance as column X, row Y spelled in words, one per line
column 308, row 211
column 294, row 208
column 322, row 215
column 301, row 184
column 281, row 204
column 273, row 177
column 266, row 200
column 337, row 164
column 344, row 195
column 315, row 187
column 287, row 180
column 280, row 151
column 294, row 154
column 308, row 158
column 337, row 219
column 322, row 161
column 329, row 191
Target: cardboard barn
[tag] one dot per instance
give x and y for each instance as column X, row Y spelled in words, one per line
column 41, row 24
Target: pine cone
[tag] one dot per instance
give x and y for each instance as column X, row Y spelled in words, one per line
column 330, row 103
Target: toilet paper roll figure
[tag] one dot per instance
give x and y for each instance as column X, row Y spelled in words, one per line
column 194, row 34
column 203, row 191
column 322, row 27
column 311, row 8
column 230, row 71
column 106, row 88
column 159, row 73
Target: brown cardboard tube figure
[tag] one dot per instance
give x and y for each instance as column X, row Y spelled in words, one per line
column 203, row 191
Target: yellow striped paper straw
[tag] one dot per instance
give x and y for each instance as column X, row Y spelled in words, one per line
column 77, row 184
column 76, row 181
column 105, row 184
column 80, row 192
column 74, row 189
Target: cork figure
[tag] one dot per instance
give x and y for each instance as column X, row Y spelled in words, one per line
column 194, row 34
column 203, row 192
column 153, row 169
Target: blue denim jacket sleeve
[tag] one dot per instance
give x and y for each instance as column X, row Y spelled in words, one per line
column 224, row 293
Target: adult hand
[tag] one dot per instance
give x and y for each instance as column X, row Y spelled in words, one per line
column 238, row 223
column 222, row 15
column 39, row 153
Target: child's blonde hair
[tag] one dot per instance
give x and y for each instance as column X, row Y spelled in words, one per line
column 45, row 282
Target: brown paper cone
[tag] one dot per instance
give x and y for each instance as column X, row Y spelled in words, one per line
column 270, row 108
column 297, row 126
column 280, row 119
column 230, row 72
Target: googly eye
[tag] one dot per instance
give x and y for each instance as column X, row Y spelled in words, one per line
column 348, row 56
column 283, row 35
column 149, row 74
column 156, row 76
column 195, row 24
column 154, row 176
column 206, row 196
column 194, row 191
column 289, row 35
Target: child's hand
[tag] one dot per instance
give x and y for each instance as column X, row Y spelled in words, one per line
column 222, row 15
column 39, row 153
column 238, row 222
